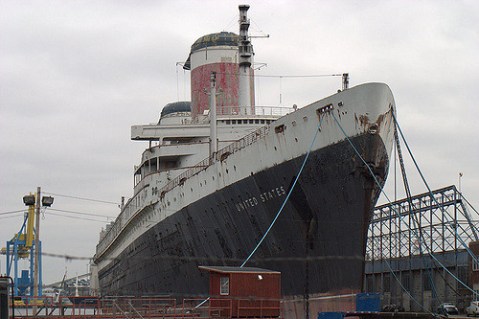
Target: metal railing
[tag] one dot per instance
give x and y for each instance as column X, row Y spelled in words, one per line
column 152, row 307
column 252, row 111
column 121, row 221
column 221, row 155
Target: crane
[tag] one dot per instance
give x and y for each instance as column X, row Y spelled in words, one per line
column 22, row 246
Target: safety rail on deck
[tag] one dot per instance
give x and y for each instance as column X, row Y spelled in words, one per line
column 237, row 111
column 221, row 155
column 149, row 307
column 234, row 111
column 258, row 110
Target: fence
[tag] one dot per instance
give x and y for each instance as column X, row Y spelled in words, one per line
column 144, row 307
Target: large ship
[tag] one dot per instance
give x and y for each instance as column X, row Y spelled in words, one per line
column 219, row 170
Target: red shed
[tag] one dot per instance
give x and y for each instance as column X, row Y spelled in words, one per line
column 240, row 292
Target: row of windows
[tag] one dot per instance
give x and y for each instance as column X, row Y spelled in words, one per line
column 247, row 121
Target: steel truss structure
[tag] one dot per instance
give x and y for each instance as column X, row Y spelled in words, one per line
column 434, row 222
column 417, row 250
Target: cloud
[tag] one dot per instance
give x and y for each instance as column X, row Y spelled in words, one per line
column 76, row 75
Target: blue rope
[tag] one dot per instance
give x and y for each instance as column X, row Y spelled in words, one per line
column 287, row 197
column 415, row 233
column 432, row 196
column 382, row 191
column 416, row 223
column 442, row 209
column 281, row 208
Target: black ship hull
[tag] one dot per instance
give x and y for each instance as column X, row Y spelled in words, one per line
column 318, row 242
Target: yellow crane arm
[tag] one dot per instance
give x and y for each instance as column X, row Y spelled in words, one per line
column 30, row 222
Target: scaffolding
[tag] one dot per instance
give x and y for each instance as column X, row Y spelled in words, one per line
column 417, row 245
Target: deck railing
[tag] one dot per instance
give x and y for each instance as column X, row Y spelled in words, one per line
column 131, row 208
column 221, row 155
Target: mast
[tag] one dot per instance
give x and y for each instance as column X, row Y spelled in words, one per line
column 245, row 50
column 212, row 113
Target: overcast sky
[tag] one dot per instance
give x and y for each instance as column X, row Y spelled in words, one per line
column 75, row 75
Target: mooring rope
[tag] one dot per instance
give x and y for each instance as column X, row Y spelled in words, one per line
column 288, row 195
column 415, row 233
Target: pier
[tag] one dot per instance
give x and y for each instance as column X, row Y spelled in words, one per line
column 392, row 260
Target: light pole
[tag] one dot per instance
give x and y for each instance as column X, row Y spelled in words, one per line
column 460, row 191
column 46, row 201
